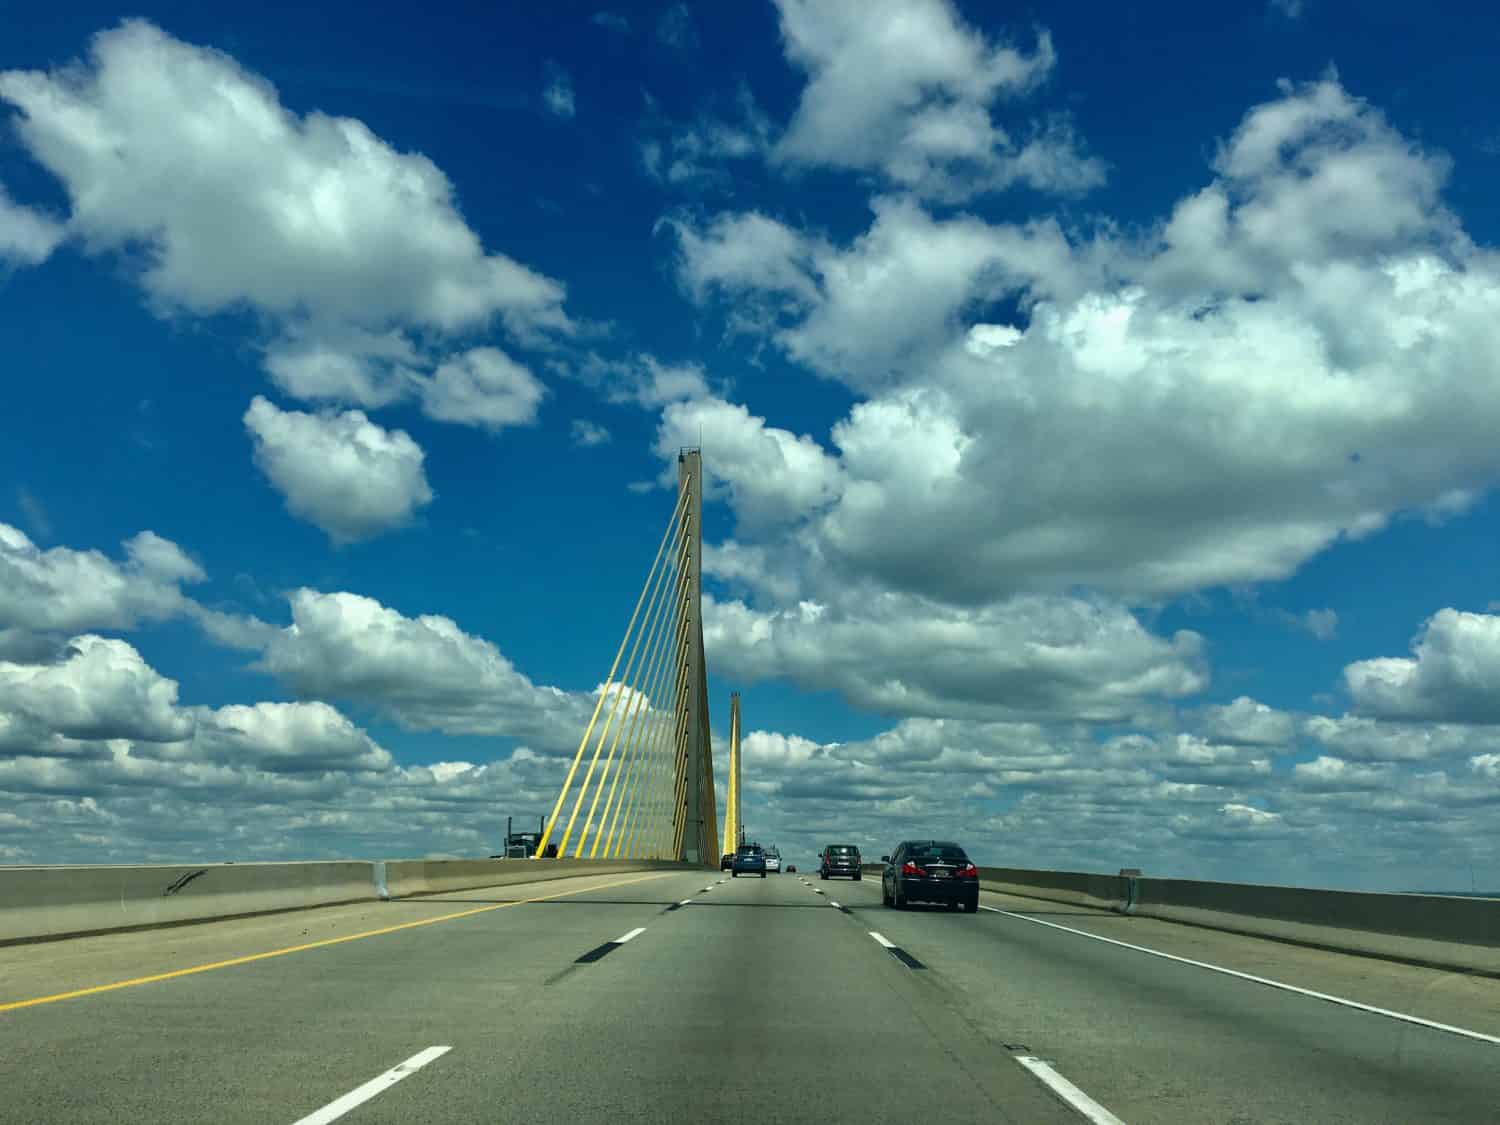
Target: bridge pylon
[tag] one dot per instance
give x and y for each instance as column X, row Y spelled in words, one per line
column 696, row 828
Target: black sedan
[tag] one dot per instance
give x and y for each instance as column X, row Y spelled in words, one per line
column 930, row 871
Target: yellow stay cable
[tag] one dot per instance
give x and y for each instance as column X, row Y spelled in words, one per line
column 614, row 708
column 659, row 612
column 679, row 781
column 656, row 714
column 647, row 797
column 643, row 794
column 630, row 687
column 644, row 833
column 541, row 847
column 671, row 835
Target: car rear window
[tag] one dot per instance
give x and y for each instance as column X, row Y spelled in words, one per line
column 749, row 849
column 937, row 851
column 842, row 849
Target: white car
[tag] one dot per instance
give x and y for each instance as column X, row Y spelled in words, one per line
column 773, row 861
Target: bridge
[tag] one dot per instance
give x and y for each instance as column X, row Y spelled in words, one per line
column 621, row 977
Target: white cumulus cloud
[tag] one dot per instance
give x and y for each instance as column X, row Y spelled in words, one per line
column 1247, row 722
column 100, row 689
column 65, row 590
column 1053, row 658
column 1266, row 373
column 424, row 671
column 287, row 738
column 771, row 475
column 225, row 198
column 27, row 236
column 339, row 471
column 907, row 88
column 483, row 387
column 1453, row 674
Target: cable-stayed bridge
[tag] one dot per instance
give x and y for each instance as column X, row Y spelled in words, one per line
column 620, row 979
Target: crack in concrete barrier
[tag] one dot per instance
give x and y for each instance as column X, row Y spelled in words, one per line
column 184, row 881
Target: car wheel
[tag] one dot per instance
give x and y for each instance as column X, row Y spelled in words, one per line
column 897, row 902
column 762, row 874
column 885, row 898
column 823, row 875
column 857, row 878
column 971, row 908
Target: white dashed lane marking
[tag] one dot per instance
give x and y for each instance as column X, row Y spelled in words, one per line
column 377, row 1085
column 1090, row 1110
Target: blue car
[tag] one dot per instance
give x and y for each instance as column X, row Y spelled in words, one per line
column 749, row 859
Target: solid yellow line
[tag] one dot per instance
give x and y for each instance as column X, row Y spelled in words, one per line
column 135, row 981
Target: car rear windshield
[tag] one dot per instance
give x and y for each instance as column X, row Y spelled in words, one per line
column 842, row 849
column 937, row 851
column 749, row 849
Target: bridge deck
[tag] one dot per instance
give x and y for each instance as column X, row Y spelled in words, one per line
column 758, row 1002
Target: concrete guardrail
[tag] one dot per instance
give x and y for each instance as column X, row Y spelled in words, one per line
column 409, row 877
column 40, row 903
column 49, row 902
column 1443, row 931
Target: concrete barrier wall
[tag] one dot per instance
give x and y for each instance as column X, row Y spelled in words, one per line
column 37, row 903
column 1444, row 931
column 1076, row 888
column 41, row 902
column 405, row 878
column 1447, row 932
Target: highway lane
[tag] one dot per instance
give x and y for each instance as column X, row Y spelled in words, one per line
column 1157, row 1040
column 755, row 1001
column 273, row 1039
column 749, row 1004
column 752, row 1003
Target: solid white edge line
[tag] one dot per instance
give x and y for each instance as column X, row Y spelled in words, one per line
column 637, row 932
column 881, row 938
column 1404, row 1017
column 1085, row 1105
column 378, row 1085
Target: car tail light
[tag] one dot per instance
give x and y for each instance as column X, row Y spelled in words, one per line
column 911, row 869
column 968, row 871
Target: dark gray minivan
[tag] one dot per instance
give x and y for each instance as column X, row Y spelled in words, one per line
column 840, row 859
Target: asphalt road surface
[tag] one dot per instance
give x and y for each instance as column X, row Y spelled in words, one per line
column 693, row 997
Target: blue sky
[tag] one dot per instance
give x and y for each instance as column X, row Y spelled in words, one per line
column 1111, row 390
